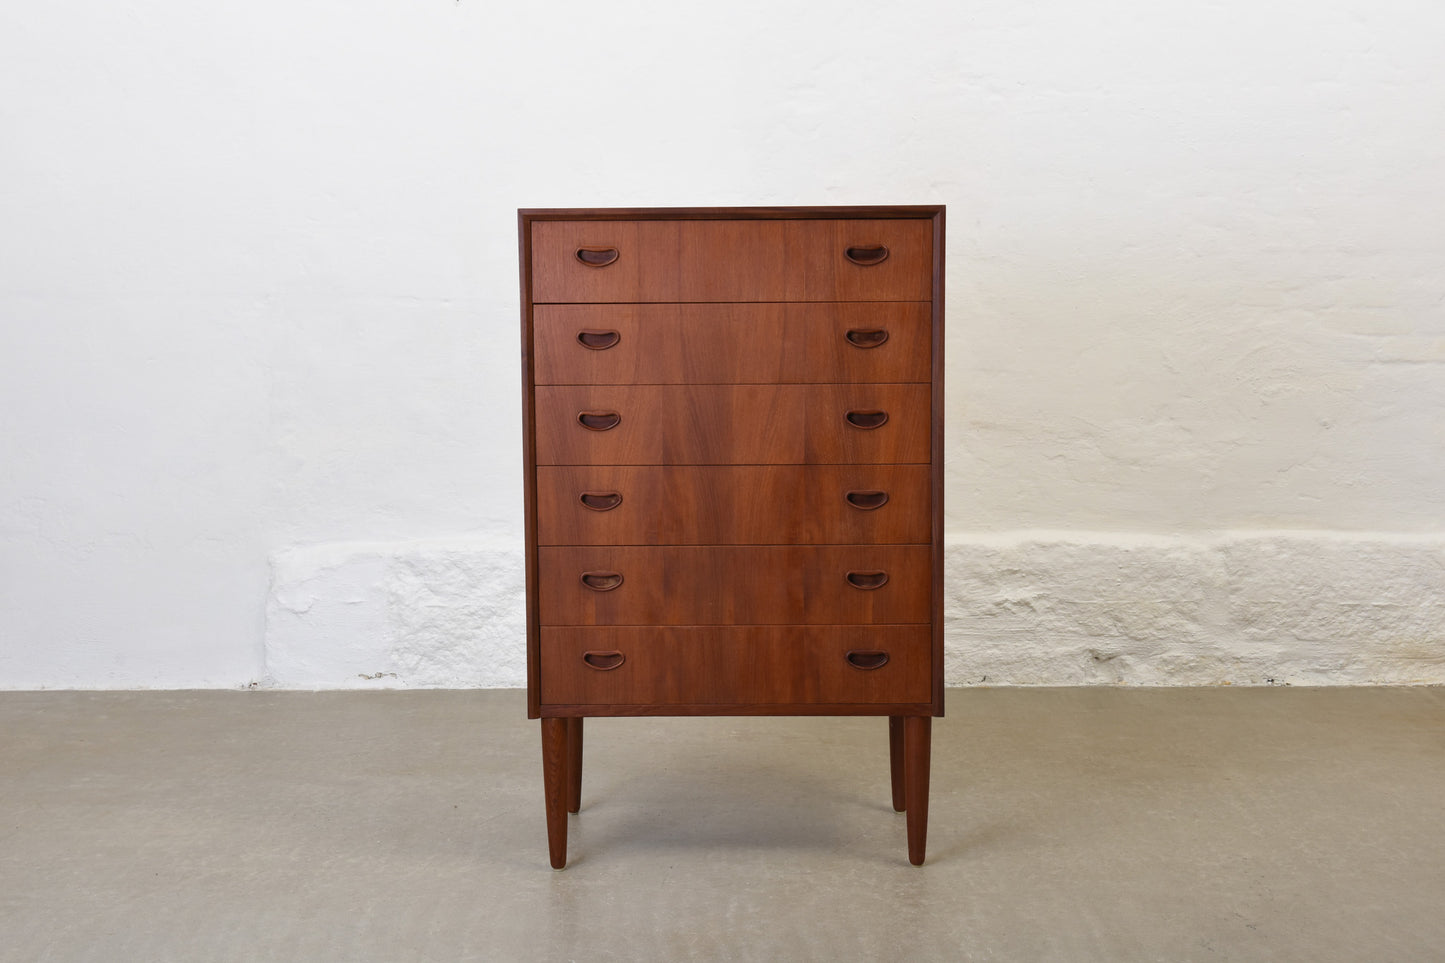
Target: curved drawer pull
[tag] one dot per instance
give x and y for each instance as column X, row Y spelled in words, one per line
column 861, row 580
column 867, row 501
column 600, row 501
column 604, row 581
column 867, row 419
column 598, row 420
column 867, row 659
column 602, row 661
column 867, row 256
column 597, row 256
column 598, row 340
column 866, row 337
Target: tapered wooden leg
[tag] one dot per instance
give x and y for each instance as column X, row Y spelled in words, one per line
column 917, row 743
column 574, row 764
column 895, row 761
column 554, row 785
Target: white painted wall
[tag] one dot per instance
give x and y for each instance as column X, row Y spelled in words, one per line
column 258, row 326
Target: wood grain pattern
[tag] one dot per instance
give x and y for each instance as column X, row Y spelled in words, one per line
column 574, row 765
column 936, row 455
column 734, row 585
column 568, row 710
column 756, row 213
column 554, row 787
column 895, row 763
column 696, row 378
column 731, row 505
column 529, row 460
column 731, row 343
column 677, row 665
column 732, row 424
column 917, row 760
column 721, row 260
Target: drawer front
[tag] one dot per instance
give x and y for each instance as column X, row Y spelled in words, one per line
column 733, row 585
column 732, row 424
column 719, row 260
column 733, row 505
column 756, row 665
column 597, row 344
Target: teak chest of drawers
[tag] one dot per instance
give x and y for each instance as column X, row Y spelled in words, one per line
column 734, row 449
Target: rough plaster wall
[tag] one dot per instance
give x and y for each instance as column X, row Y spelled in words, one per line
column 436, row 613
column 258, row 301
column 1022, row 608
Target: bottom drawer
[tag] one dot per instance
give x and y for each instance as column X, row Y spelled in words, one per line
column 735, row 665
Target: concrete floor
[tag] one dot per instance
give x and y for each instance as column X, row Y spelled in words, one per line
column 1067, row 824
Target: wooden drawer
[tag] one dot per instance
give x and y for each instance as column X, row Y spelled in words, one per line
column 721, row 260
column 732, row 424
column 756, row 665
column 733, row 585
column 596, row 344
column 733, row 505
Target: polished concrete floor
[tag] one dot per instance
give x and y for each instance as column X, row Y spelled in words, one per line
column 1067, row 824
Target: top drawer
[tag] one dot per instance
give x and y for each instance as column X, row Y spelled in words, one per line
column 754, row 260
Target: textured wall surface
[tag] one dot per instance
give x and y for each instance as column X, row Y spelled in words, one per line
column 258, row 290
column 437, row 613
column 1032, row 608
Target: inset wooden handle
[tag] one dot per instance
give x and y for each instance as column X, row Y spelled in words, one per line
column 866, row 337
column 598, row 340
column 866, row 419
column 867, row 501
column 602, row 581
column 867, row 659
column 598, row 420
column 600, row 501
column 602, row 661
column 866, row 580
column 597, row 256
column 867, row 256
